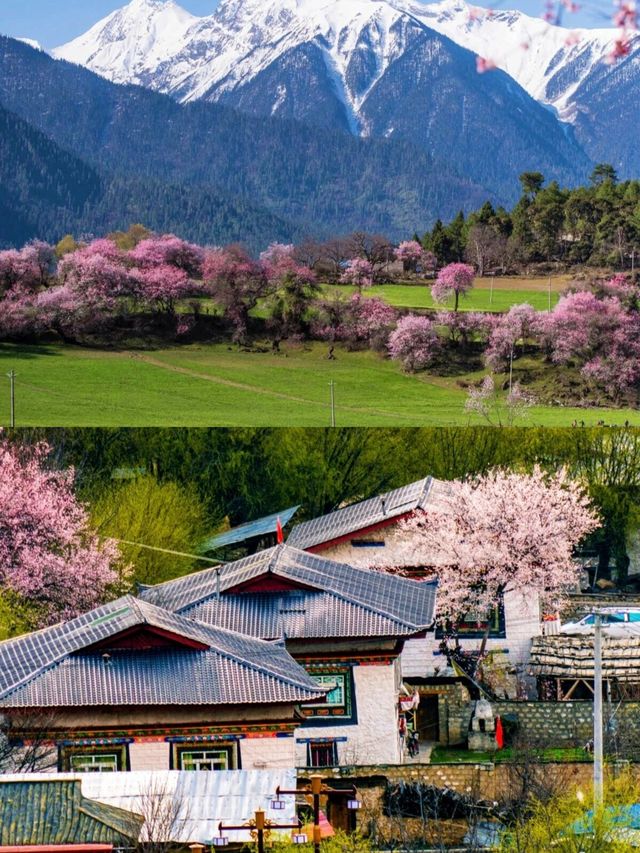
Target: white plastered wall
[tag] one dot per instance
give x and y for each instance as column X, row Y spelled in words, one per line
column 374, row 739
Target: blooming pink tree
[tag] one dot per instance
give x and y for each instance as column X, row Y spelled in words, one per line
column 453, row 280
column 503, row 532
column 359, row 272
column 163, row 285
column 98, row 273
column 409, row 254
column 50, row 559
column 24, row 271
column 414, row 342
column 497, row 409
column 237, row 283
column 517, row 326
column 168, row 250
column 467, row 326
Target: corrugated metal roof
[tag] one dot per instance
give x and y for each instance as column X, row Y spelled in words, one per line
column 364, row 514
column 50, row 810
column 333, row 599
column 249, row 530
column 49, row 668
column 193, row 802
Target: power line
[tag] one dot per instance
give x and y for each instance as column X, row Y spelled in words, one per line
column 168, row 551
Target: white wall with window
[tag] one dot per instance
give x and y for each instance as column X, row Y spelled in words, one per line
column 371, row 737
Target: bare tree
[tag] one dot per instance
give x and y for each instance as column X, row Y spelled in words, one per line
column 26, row 744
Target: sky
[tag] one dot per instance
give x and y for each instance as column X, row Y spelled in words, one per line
column 54, row 22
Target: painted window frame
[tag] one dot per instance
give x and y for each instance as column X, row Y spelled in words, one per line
column 230, row 748
column 328, row 744
column 68, row 752
column 497, row 630
column 331, row 714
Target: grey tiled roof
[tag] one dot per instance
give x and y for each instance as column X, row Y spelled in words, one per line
column 53, row 667
column 332, row 599
column 373, row 511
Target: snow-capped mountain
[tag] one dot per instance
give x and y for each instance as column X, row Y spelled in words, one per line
column 159, row 44
column 383, row 68
column 549, row 62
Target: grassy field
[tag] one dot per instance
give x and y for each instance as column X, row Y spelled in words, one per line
column 487, row 295
column 457, row 755
column 215, row 385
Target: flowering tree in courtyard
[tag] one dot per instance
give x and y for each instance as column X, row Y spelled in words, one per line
column 499, row 533
column 51, row 562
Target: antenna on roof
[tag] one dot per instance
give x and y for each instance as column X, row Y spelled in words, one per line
column 218, row 583
column 384, row 504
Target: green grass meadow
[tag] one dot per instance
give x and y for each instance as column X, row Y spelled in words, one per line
column 216, row 385
column 487, row 295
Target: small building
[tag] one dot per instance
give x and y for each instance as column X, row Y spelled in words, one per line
column 130, row 686
column 368, row 534
column 347, row 626
column 45, row 814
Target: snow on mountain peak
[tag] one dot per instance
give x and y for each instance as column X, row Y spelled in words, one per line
column 159, row 44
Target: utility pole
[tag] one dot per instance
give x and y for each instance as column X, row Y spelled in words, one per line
column 597, row 716
column 332, row 387
column 511, row 370
column 493, row 278
column 12, row 392
column 549, row 294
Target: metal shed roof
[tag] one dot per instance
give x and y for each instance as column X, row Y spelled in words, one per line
column 368, row 513
column 327, row 599
column 193, row 802
column 249, row 530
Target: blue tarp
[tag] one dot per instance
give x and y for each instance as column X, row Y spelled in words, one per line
column 249, row 530
column 627, row 817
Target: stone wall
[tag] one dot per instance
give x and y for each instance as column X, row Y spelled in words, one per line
column 561, row 724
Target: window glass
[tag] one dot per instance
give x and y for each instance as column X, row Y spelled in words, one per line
column 336, row 686
column 104, row 762
column 322, row 754
column 204, row 759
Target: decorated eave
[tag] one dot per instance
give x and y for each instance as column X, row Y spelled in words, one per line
column 366, row 516
column 287, row 592
column 130, row 652
column 569, row 658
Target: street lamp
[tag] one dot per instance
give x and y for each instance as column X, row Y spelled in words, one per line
column 315, row 789
column 259, row 825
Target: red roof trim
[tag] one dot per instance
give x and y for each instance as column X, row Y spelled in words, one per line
column 174, row 638
column 321, row 546
column 57, row 848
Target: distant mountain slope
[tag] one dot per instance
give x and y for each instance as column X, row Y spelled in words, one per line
column 39, row 183
column 374, row 68
column 46, row 192
column 324, row 181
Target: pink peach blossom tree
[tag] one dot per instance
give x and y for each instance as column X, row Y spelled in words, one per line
column 414, row 342
column 453, row 280
column 502, row 532
column 50, row 558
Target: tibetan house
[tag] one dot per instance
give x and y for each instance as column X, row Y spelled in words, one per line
column 347, row 626
column 130, row 686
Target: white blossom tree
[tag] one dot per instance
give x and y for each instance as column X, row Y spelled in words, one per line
column 499, row 533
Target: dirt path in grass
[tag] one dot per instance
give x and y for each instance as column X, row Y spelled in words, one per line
column 242, row 386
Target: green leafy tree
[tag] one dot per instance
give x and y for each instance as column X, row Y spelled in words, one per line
column 162, row 515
